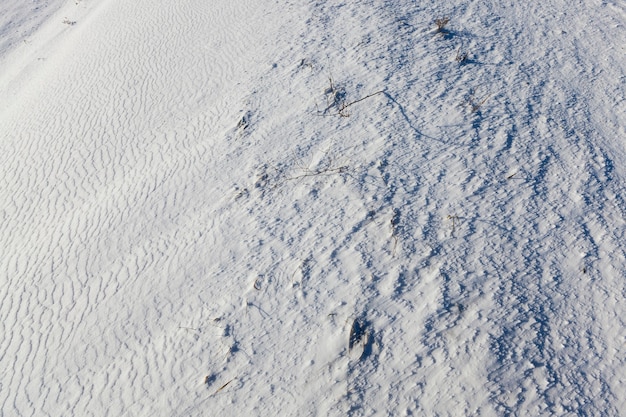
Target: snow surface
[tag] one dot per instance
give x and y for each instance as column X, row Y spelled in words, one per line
column 239, row 207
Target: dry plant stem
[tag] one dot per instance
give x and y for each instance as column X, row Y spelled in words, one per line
column 461, row 57
column 353, row 336
column 395, row 244
column 342, row 107
column 329, row 171
column 334, row 96
column 188, row 328
column 293, row 276
column 224, row 386
column 455, row 220
column 394, row 232
column 441, row 24
column 477, row 106
column 345, row 106
column 257, row 283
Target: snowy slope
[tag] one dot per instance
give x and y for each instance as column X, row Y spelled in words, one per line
column 19, row 21
column 313, row 208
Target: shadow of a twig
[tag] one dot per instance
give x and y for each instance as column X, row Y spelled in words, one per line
column 408, row 120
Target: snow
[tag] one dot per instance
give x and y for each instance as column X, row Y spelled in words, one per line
column 312, row 208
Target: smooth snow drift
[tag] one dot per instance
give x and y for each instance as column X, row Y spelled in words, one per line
column 326, row 208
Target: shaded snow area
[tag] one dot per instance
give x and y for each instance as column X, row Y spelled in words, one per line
column 312, row 208
column 19, row 20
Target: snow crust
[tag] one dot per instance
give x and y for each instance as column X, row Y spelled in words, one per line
column 328, row 208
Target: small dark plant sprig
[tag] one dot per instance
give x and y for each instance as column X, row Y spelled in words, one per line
column 455, row 221
column 461, row 57
column 244, row 122
column 394, row 222
column 328, row 165
column 476, row 105
column 441, row 24
column 336, row 99
column 328, row 170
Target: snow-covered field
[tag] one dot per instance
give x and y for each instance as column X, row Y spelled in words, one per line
column 312, row 208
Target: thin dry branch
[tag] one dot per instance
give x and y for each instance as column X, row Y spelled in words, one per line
column 461, row 57
column 475, row 106
column 326, row 171
column 224, row 386
column 344, row 106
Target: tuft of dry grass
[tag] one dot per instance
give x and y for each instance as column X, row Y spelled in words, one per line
column 441, row 24
column 461, row 57
column 476, row 105
column 336, row 99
